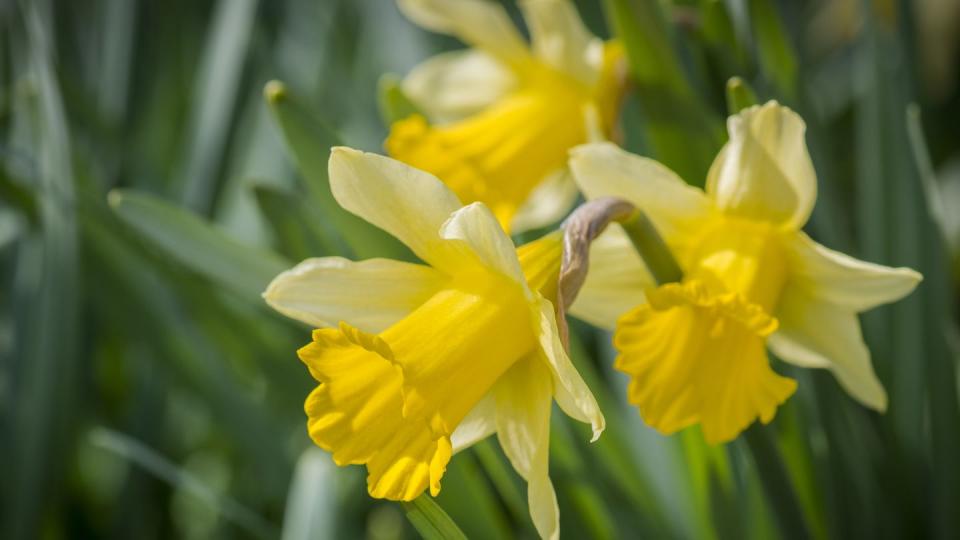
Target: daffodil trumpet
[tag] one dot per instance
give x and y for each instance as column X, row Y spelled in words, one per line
column 696, row 349
column 497, row 120
column 417, row 361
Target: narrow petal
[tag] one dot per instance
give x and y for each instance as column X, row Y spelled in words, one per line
column 817, row 333
column 476, row 228
column 408, row 203
column 842, row 280
column 480, row 23
column 572, row 394
column 764, row 171
column 615, row 282
column 480, row 423
column 548, row 203
column 677, row 209
column 523, row 401
column 370, row 295
column 453, row 85
column 560, row 38
column 694, row 357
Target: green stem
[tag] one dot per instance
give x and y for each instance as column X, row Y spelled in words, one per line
column 430, row 520
column 652, row 249
column 776, row 483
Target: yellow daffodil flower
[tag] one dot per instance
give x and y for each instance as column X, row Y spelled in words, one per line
column 695, row 350
column 501, row 116
column 416, row 361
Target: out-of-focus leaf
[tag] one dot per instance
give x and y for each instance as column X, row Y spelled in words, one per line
column 136, row 452
column 41, row 408
column 394, row 104
column 684, row 134
column 311, row 504
column 197, row 244
column 309, row 141
column 214, row 97
column 287, row 214
column 430, row 520
column 739, row 95
column 777, row 484
column 772, row 47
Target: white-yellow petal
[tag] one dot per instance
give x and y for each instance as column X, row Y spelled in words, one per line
column 480, row 23
column 406, row 202
column 370, row 295
column 816, row 333
column 571, row 392
column 453, row 85
column 615, row 282
column 480, row 423
column 560, row 38
column 842, row 280
column 764, row 171
column 677, row 209
column 477, row 230
column 523, row 401
column 548, row 203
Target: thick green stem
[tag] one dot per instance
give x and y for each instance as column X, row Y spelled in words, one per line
column 652, row 249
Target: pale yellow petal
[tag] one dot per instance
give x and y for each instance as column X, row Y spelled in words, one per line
column 571, row 392
column 523, row 401
column 406, row 202
column 548, row 203
column 560, row 38
column 370, row 295
column 764, row 172
column 475, row 227
column 480, row 23
column 816, row 333
column 453, row 85
column 480, row 423
column 842, row 280
column 615, row 283
column 677, row 209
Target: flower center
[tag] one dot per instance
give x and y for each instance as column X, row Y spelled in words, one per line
column 741, row 256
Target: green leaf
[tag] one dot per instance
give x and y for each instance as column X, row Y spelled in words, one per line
column 394, row 103
column 309, row 140
column 430, row 520
column 739, row 95
column 775, row 52
column 197, row 244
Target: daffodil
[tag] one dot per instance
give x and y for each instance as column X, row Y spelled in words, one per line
column 499, row 118
column 696, row 350
column 416, row 361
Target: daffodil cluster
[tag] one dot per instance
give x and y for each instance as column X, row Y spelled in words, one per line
column 415, row 361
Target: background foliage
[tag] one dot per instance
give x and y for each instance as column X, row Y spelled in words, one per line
column 148, row 192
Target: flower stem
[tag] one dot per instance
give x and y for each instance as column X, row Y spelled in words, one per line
column 652, row 249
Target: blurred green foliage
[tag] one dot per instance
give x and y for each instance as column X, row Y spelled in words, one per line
column 150, row 188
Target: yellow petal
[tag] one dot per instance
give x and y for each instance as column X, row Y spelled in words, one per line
column 677, row 209
column 548, row 203
column 355, row 413
column 500, row 155
column 474, row 229
column 816, row 333
column 405, row 202
column 480, row 423
column 453, row 349
column 523, row 402
column 480, row 23
column 842, row 280
column 560, row 38
column 540, row 260
column 571, row 392
column 453, row 85
column 616, row 281
column 694, row 357
column 764, row 172
column 370, row 295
